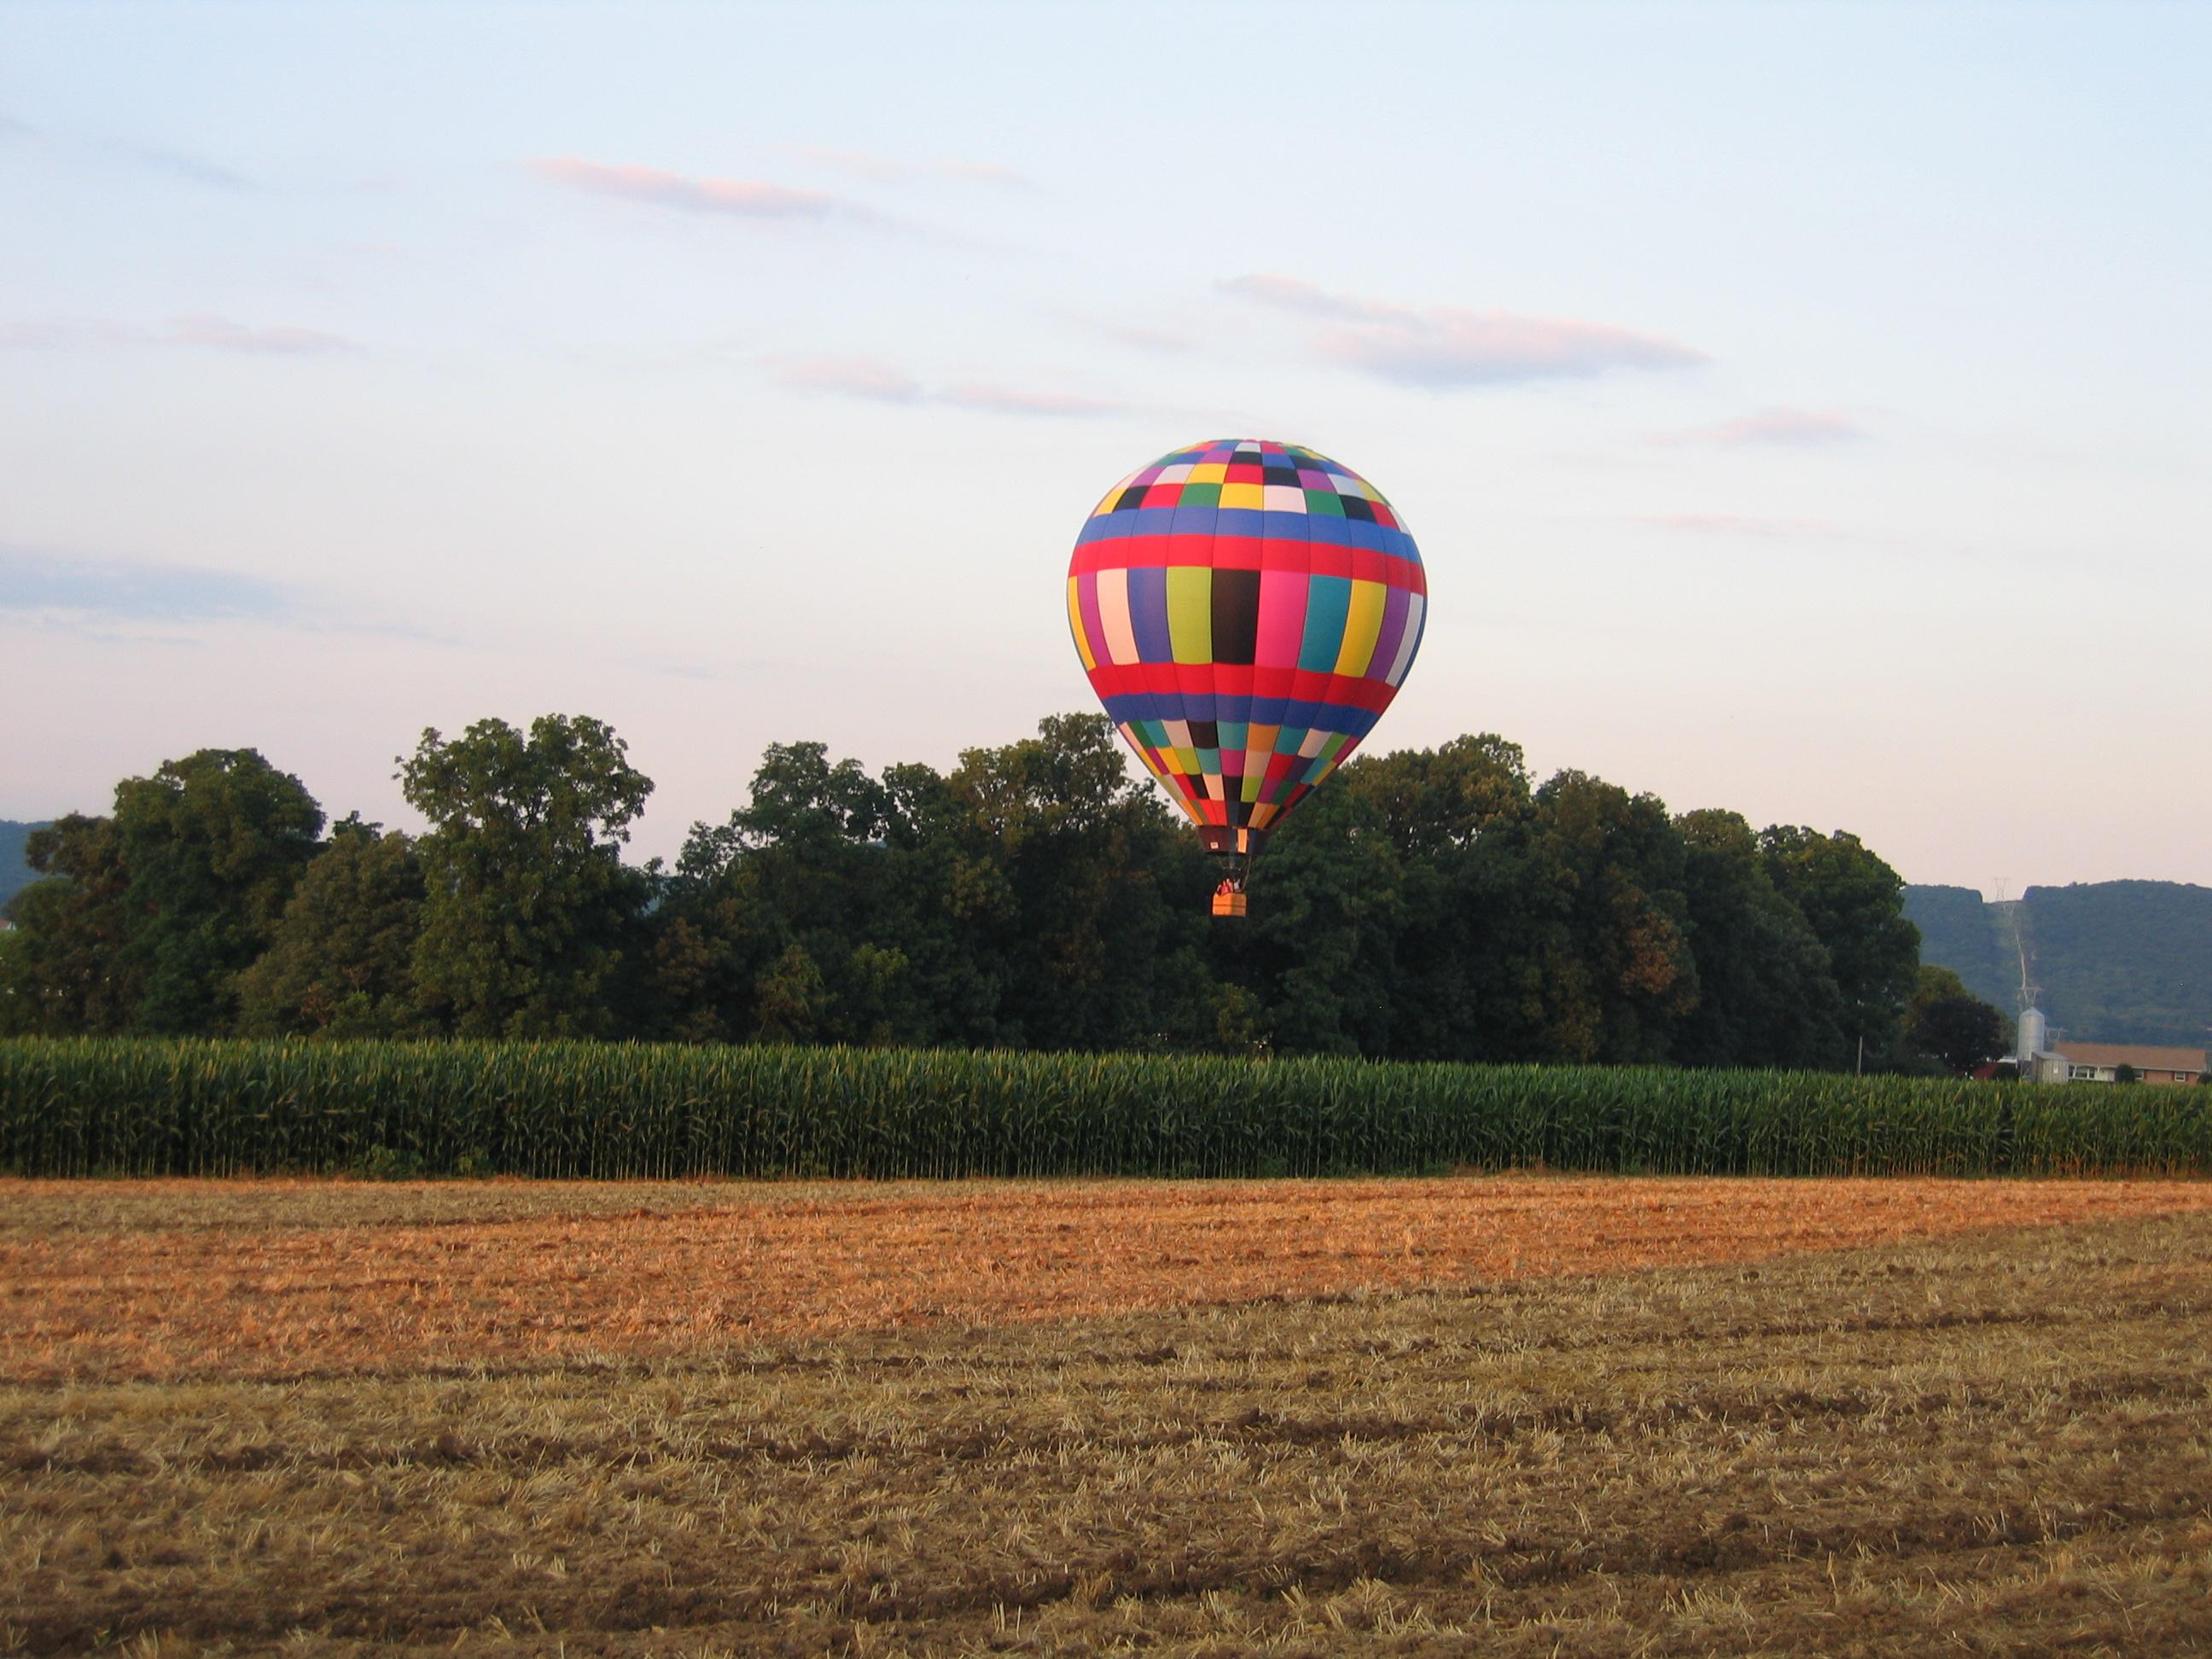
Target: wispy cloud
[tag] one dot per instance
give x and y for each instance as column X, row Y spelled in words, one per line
column 1794, row 429
column 179, row 164
column 115, row 590
column 11, row 128
column 66, row 331
column 1293, row 294
column 874, row 380
column 903, row 170
column 870, row 378
column 202, row 329
column 220, row 334
column 1163, row 341
column 1440, row 346
column 83, row 595
column 742, row 198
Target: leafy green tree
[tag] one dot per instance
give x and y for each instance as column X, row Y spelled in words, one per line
column 1433, row 802
column 1106, row 893
column 528, row 909
column 832, row 904
column 65, row 969
column 1765, row 997
column 800, row 799
column 1618, row 968
column 1855, row 905
column 2125, row 1073
column 149, row 916
column 1945, row 1022
column 213, row 845
column 1020, row 900
column 955, row 916
column 793, row 1000
column 1466, row 948
column 814, row 876
column 1428, row 904
column 339, row 962
column 1319, row 943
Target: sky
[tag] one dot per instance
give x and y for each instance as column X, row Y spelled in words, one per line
column 1801, row 408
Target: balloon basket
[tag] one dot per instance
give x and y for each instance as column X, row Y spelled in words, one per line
column 1229, row 904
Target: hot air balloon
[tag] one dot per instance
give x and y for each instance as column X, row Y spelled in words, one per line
column 1246, row 611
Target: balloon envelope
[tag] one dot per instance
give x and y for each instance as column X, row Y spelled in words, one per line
column 1246, row 611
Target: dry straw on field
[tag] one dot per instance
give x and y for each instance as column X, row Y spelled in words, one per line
column 171, row 1278
column 1998, row 1443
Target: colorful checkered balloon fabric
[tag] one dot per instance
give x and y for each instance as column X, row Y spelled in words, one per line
column 1246, row 611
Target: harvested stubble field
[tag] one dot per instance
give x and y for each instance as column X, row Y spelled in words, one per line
column 1540, row 1415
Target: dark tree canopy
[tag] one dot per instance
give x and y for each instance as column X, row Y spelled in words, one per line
column 527, row 906
column 214, row 844
column 148, row 916
column 1949, row 1024
column 338, row 963
column 1855, row 905
column 1765, row 995
column 63, row 968
column 1432, row 904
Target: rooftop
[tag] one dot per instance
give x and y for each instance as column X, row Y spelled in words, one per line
column 2141, row 1056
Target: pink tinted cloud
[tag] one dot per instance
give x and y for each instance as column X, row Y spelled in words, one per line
column 870, row 378
column 744, row 199
column 1796, row 428
column 1446, row 346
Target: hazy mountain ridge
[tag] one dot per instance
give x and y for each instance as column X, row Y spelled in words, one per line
column 2117, row 961
column 15, row 873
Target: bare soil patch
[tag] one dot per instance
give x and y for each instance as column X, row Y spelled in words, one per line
column 180, row 1279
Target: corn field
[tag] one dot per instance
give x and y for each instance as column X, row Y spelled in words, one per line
column 88, row 1106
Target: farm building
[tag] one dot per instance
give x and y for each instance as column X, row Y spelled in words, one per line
column 2100, row 1062
column 2044, row 1061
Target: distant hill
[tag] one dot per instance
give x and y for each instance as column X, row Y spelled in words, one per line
column 2118, row 961
column 14, row 874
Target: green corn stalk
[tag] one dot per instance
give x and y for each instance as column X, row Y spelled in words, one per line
column 80, row 1106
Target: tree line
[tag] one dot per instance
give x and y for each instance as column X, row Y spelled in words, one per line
column 1431, row 904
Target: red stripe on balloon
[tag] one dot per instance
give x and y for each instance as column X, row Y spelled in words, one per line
column 1249, row 553
column 1234, row 679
